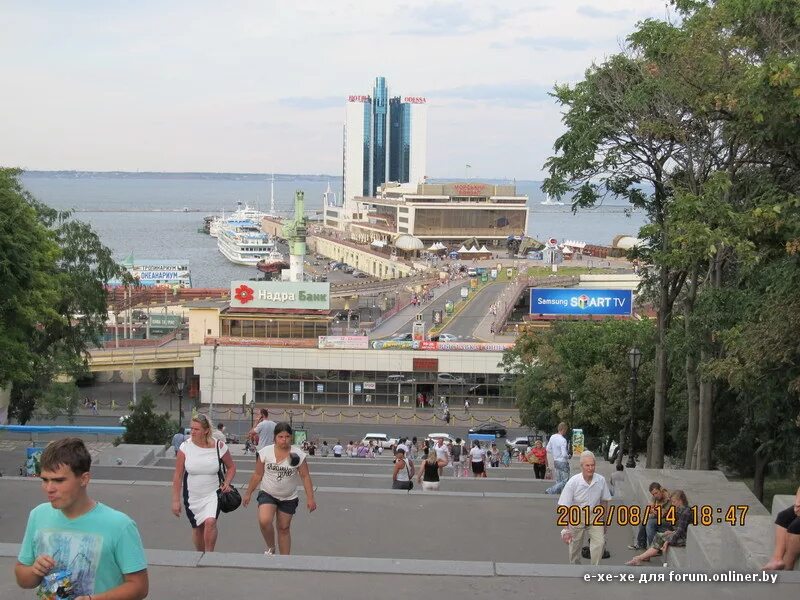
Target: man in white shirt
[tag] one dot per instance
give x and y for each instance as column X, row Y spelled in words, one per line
column 557, row 450
column 402, row 445
column 337, row 450
column 219, row 433
column 442, row 453
column 586, row 490
column 265, row 430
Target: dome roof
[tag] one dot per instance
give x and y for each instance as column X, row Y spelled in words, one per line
column 408, row 242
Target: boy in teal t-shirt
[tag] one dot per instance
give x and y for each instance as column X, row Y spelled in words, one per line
column 99, row 546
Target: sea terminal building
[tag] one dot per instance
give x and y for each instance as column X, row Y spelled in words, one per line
column 443, row 212
column 293, row 360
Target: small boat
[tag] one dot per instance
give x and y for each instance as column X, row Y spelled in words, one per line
column 274, row 262
column 550, row 202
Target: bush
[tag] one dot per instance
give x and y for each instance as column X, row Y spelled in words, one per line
column 146, row 427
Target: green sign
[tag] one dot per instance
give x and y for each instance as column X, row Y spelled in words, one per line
column 165, row 321
column 484, row 278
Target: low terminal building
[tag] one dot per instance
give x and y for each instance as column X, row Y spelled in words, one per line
column 271, row 344
column 445, row 212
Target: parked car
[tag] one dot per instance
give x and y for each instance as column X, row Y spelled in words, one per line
column 360, row 275
column 379, row 439
column 444, row 337
column 437, row 436
column 348, row 269
column 472, row 272
column 402, row 337
column 520, row 443
column 449, row 378
column 490, row 428
column 397, row 378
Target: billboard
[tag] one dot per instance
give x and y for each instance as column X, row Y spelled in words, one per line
column 581, row 302
column 344, row 342
column 305, row 295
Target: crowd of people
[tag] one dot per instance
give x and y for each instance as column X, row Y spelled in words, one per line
column 73, row 541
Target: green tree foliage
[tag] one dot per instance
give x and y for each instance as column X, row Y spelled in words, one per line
column 54, row 301
column 590, row 359
column 144, row 426
column 704, row 112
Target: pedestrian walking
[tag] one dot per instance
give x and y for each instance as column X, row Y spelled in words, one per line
column 456, row 451
column 264, row 430
column 197, row 473
column 429, row 473
column 478, row 459
column 280, row 467
column 586, row 490
column 557, row 448
column 76, row 540
column 538, row 458
column 403, row 470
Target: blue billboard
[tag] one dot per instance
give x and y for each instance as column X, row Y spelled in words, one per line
column 581, row 302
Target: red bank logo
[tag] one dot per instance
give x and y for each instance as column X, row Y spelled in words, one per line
column 244, row 294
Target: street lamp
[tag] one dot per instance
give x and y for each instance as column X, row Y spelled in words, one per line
column 635, row 359
column 572, row 395
column 181, row 383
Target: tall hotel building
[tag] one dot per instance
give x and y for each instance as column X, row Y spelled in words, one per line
column 384, row 140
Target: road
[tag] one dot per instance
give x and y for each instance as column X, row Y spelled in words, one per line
column 402, row 323
column 464, row 324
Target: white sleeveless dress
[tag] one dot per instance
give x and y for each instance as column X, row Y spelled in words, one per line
column 201, row 482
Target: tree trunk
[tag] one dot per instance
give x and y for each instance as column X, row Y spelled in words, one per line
column 705, row 422
column 758, row 478
column 692, row 392
column 655, row 458
column 693, row 412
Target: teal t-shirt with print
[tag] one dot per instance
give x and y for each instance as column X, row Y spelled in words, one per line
column 98, row 548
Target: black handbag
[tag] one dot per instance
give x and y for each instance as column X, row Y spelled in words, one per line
column 227, row 501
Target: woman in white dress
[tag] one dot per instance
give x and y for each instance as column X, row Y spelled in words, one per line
column 196, row 469
column 280, row 467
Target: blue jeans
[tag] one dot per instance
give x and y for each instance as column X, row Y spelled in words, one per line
column 648, row 531
column 562, row 476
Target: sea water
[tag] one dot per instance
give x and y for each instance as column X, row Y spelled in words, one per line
column 144, row 217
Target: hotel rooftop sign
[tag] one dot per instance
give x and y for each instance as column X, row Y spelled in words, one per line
column 281, row 294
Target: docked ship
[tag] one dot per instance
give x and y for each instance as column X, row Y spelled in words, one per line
column 243, row 212
column 243, row 242
column 274, row 262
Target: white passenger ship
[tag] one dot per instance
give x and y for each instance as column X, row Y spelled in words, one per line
column 243, row 242
column 243, row 212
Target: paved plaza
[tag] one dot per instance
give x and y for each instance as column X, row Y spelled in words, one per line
column 476, row 538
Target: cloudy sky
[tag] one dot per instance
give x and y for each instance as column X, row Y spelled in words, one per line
column 259, row 86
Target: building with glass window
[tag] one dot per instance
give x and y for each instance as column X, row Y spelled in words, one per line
column 315, row 376
column 445, row 212
column 384, row 140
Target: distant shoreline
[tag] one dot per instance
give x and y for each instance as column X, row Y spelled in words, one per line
column 229, row 176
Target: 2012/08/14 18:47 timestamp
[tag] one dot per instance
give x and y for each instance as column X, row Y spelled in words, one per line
column 703, row 515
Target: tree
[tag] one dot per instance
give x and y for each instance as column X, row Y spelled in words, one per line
column 143, row 426
column 589, row 359
column 60, row 284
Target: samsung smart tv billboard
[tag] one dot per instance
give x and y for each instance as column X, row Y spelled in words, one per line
column 581, row 302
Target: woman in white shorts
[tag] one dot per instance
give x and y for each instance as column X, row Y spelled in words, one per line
column 280, row 467
column 429, row 473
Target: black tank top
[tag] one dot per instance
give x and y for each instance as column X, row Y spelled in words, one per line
column 431, row 472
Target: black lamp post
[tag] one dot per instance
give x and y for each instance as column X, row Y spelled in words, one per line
column 181, row 383
column 572, row 395
column 635, row 359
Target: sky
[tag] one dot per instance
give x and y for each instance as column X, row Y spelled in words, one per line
column 260, row 86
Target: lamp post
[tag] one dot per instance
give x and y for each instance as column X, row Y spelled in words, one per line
column 635, row 359
column 180, row 403
column 572, row 395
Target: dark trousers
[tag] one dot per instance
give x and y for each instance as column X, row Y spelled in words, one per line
column 539, row 471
